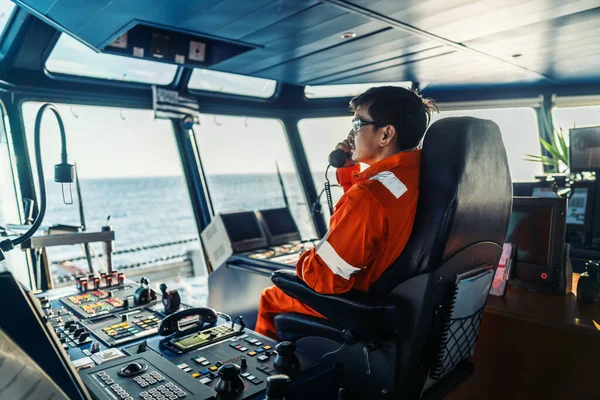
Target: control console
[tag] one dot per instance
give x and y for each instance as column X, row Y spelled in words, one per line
column 143, row 376
column 238, row 367
column 121, row 328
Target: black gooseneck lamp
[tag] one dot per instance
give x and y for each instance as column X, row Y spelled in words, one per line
column 63, row 173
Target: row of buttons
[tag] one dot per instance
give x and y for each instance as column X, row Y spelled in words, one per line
column 253, row 341
column 211, row 370
column 251, row 378
column 266, row 369
column 168, row 391
column 105, row 377
column 253, row 353
column 149, row 379
column 121, row 392
column 202, row 361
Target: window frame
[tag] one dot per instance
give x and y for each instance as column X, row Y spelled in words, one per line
column 372, row 84
column 58, row 76
column 286, row 136
column 233, row 96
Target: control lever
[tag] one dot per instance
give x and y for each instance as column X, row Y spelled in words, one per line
column 170, row 299
column 367, row 350
column 230, row 382
column 277, row 386
column 95, row 348
column 83, row 337
column 144, row 294
column 142, row 347
column 286, row 359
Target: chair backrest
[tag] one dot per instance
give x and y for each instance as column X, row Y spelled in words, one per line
column 461, row 221
column 465, row 197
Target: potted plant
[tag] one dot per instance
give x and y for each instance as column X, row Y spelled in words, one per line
column 558, row 153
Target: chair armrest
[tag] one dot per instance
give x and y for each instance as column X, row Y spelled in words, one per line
column 358, row 312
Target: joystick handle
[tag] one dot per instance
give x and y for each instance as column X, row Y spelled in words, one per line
column 286, row 359
column 277, row 386
column 229, row 380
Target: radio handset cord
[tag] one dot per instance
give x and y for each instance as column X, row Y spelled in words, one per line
column 328, row 191
column 337, row 159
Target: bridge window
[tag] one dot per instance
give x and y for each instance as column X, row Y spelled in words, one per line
column 319, row 137
column 520, row 134
column 324, row 91
column 6, row 9
column 215, row 81
column 71, row 57
column 518, row 127
column 575, row 117
column 130, row 169
column 240, row 156
column 9, row 207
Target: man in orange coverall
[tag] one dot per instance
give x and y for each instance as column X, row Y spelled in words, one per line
column 373, row 219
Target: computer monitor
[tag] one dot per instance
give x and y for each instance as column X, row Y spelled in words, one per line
column 279, row 225
column 24, row 324
column 580, row 205
column 537, row 228
column 584, row 149
column 244, row 231
column 524, row 189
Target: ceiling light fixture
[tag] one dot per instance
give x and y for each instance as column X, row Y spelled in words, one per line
column 348, row 35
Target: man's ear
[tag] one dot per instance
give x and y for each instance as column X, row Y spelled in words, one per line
column 388, row 137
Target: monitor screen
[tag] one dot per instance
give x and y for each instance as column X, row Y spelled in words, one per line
column 584, row 149
column 279, row 221
column 242, row 226
column 576, row 210
column 529, row 230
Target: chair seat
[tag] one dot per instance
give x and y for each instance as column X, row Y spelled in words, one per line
column 294, row 326
column 361, row 314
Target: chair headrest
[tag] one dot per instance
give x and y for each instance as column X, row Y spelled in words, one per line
column 465, row 197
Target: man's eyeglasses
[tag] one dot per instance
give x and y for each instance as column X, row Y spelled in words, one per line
column 358, row 123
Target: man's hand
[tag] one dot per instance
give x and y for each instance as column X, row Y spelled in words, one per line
column 347, row 145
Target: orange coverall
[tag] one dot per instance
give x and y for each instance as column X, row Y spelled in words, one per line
column 367, row 232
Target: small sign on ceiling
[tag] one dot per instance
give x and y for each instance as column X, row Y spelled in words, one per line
column 120, row 42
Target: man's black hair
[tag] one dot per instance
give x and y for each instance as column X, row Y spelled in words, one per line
column 403, row 108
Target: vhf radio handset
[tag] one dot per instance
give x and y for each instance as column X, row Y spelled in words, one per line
column 183, row 321
column 337, row 159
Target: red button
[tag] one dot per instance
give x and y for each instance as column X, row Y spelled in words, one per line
column 544, row 275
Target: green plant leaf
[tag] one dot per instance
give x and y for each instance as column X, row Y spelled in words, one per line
column 551, row 149
column 545, row 160
column 563, row 145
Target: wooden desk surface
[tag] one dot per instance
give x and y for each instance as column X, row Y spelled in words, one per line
column 558, row 311
column 535, row 346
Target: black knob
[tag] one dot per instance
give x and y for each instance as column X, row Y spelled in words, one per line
column 83, row 337
column 286, row 359
column 277, row 386
column 77, row 332
column 230, row 382
column 95, row 348
column 124, row 318
column 133, row 368
column 142, row 347
column 243, row 363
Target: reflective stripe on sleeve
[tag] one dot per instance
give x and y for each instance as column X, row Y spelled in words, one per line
column 391, row 182
column 336, row 264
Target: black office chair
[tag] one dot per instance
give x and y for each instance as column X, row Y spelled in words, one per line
column 413, row 333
